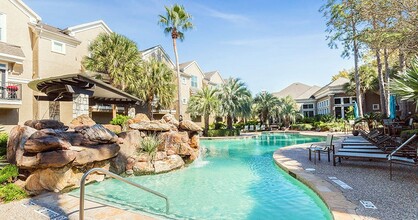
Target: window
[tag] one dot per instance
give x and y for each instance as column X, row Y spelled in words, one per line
column 183, row 80
column 376, row 107
column 184, row 101
column 337, row 101
column 346, row 100
column 194, row 81
column 2, row 27
column 308, row 113
column 307, row 106
column 58, row 47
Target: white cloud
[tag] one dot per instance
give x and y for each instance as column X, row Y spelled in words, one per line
column 229, row 17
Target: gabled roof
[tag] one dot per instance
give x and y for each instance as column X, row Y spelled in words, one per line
column 209, row 75
column 48, row 30
column 186, row 65
column 294, row 90
column 34, row 18
column 156, row 48
column 334, row 86
column 87, row 26
column 308, row 93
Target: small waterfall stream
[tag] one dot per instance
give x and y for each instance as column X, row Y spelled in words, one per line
column 200, row 161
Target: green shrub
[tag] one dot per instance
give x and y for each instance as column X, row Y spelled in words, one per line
column 8, row 173
column 217, row 125
column 150, row 145
column 239, row 125
column 330, row 126
column 11, row 192
column 223, row 132
column 3, row 143
column 120, row 120
column 302, row 127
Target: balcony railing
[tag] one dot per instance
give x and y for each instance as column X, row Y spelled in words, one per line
column 10, row 91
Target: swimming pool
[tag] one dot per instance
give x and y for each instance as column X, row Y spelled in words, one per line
column 236, row 179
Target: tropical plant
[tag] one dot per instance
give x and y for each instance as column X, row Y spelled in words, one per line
column 150, row 145
column 120, row 120
column 8, row 173
column 288, row 110
column 235, row 100
column 3, row 144
column 205, row 102
column 154, row 84
column 175, row 22
column 406, row 85
column 116, row 56
column 265, row 103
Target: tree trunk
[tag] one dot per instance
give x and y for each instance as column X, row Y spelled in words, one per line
column 205, row 131
column 229, row 122
column 387, row 72
column 178, row 78
column 381, row 82
column 363, row 100
column 357, row 77
column 149, row 107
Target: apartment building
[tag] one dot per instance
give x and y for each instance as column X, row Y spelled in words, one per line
column 330, row 99
column 32, row 50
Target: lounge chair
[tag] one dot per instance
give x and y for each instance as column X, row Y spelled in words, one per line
column 325, row 148
column 393, row 156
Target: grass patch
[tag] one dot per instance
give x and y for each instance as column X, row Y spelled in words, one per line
column 3, row 143
column 8, row 173
column 11, row 192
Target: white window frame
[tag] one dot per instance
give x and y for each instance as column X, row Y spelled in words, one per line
column 191, row 82
column 183, row 80
column 56, row 51
column 3, row 26
column 376, row 107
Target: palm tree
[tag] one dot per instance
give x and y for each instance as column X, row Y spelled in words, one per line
column 264, row 104
column 205, row 102
column 175, row 22
column 154, row 84
column 406, row 86
column 288, row 111
column 116, row 56
column 235, row 100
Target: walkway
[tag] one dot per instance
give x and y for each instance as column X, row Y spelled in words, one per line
column 56, row 206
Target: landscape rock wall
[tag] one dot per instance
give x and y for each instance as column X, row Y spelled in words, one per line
column 51, row 157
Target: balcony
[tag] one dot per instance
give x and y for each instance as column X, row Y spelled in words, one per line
column 10, row 91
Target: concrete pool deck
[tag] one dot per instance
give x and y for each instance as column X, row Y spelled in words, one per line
column 368, row 180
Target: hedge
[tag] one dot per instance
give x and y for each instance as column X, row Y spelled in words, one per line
column 223, row 133
column 302, row 127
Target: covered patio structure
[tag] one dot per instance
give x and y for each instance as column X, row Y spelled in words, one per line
column 72, row 95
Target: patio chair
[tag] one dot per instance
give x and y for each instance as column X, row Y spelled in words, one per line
column 387, row 124
column 322, row 148
column 373, row 156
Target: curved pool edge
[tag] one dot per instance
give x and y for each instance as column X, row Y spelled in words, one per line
column 336, row 202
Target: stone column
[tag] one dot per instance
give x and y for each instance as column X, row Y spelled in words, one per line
column 80, row 105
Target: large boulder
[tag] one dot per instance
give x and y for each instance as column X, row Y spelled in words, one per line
column 138, row 118
column 45, row 123
column 141, row 168
column 45, row 143
column 170, row 163
column 150, row 126
column 82, row 120
column 187, row 125
column 97, row 133
column 51, row 159
column 113, row 128
column 169, row 118
column 101, row 152
column 16, row 142
column 194, row 141
column 173, row 141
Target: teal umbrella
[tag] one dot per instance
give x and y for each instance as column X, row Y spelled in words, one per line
column 392, row 107
column 356, row 114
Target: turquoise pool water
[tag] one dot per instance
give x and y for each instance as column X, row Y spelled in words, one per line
column 236, row 179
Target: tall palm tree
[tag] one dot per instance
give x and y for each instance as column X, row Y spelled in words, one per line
column 116, row 56
column 175, row 22
column 288, row 110
column 154, row 84
column 235, row 100
column 265, row 103
column 205, row 102
column 406, row 86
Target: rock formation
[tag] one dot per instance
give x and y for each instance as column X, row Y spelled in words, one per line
column 54, row 158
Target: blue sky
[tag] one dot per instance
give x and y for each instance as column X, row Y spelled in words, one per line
column 269, row 44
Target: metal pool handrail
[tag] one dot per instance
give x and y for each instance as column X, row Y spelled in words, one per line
column 82, row 188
